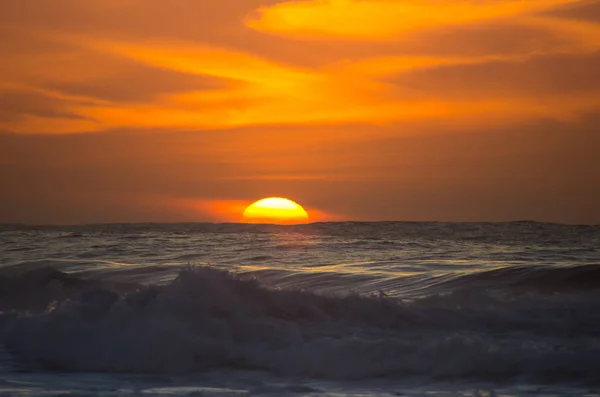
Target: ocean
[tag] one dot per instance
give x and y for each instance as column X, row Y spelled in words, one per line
column 326, row 309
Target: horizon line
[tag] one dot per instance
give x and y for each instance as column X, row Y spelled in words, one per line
column 148, row 223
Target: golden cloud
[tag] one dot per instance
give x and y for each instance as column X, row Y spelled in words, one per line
column 253, row 90
column 386, row 19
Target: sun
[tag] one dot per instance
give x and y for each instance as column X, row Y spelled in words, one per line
column 275, row 210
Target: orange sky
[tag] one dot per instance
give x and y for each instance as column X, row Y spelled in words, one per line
column 187, row 110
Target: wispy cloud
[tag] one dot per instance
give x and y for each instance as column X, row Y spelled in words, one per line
column 386, row 19
column 128, row 76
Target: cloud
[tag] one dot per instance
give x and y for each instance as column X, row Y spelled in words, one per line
column 386, row 19
column 137, row 84
column 16, row 104
column 446, row 61
column 570, row 77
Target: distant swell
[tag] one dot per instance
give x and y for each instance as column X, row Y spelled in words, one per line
column 209, row 319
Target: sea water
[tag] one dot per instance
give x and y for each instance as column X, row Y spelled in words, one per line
column 329, row 309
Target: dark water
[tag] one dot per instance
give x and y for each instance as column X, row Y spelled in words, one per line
column 416, row 309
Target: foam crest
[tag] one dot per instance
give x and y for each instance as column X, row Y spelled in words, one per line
column 208, row 319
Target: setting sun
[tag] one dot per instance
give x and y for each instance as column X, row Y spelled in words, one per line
column 275, row 210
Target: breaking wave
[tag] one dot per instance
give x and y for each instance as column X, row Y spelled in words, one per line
column 208, row 319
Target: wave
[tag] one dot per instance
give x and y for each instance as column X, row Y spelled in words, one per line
column 529, row 279
column 34, row 290
column 210, row 319
column 511, row 281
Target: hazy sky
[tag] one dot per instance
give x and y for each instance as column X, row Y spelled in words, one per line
column 188, row 110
